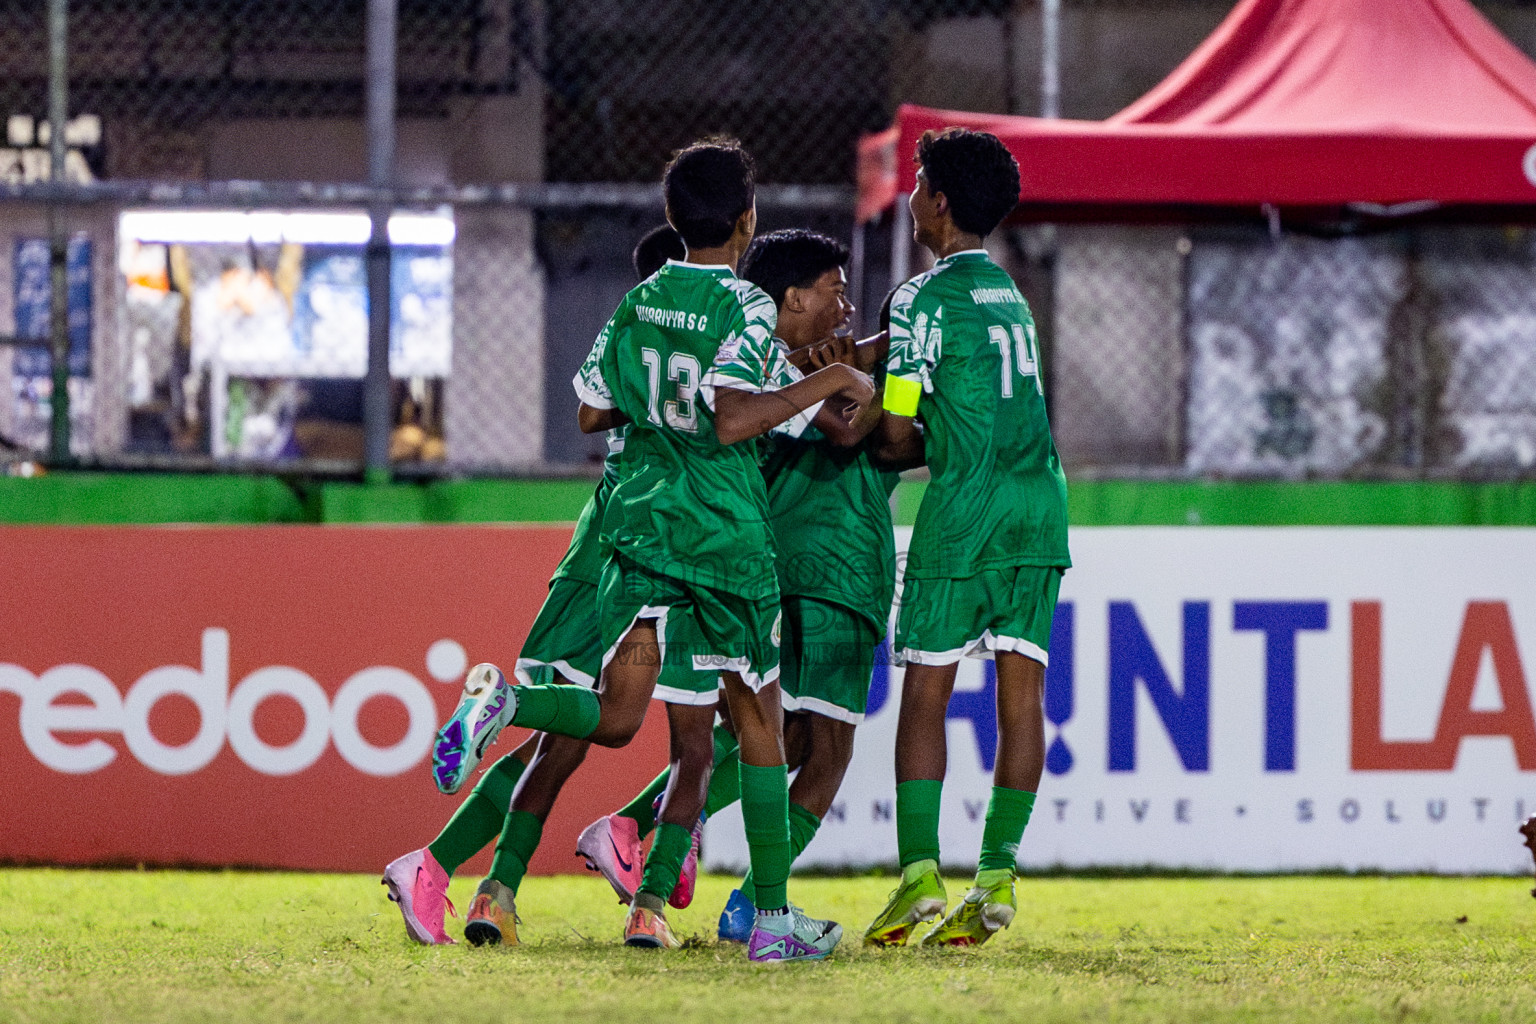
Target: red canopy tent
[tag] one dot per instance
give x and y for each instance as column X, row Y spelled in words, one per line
column 1290, row 103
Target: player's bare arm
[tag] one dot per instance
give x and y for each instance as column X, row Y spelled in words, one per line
column 595, row 421
column 898, row 441
column 844, row 424
column 741, row 414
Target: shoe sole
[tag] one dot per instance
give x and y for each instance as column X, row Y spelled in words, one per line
column 897, row 935
column 994, row 918
column 482, row 933
column 456, row 735
column 776, row 960
column 643, row 941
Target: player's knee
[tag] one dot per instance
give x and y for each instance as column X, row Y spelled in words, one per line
column 616, row 730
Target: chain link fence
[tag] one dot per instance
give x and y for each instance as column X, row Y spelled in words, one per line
column 1234, row 353
column 216, row 227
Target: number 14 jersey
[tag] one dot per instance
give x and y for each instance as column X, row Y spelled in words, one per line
column 685, row 505
column 964, row 359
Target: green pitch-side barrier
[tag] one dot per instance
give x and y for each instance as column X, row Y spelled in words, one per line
column 121, row 498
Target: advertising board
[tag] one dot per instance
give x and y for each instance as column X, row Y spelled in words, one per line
column 1247, row 699
column 1226, row 698
column 260, row 696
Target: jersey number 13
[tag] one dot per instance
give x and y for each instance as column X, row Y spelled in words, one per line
column 680, row 413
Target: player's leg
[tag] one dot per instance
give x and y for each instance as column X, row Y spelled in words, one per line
column 1020, row 758
column 819, row 750
column 418, row 881
column 1025, row 602
column 826, row 661
column 492, row 916
column 780, row 931
column 691, row 759
column 931, row 642
column 611, row 845
column 563, row 647
column 745, row 631
column 920, row 764
column 631, row 602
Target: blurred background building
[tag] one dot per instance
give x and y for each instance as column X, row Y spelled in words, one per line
column 218, row 307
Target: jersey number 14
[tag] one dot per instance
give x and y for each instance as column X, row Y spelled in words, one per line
column 1022, row 340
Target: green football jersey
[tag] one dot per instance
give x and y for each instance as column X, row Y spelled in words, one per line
column 685, row 505
column 585, row 558
column 831, row 514
column 964, row 358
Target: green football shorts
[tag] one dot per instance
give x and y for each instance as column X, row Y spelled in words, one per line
column 944, row 620
column 827, row 659
column 713, row 630
column 565, row 638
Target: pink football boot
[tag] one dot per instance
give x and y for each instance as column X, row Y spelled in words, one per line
column 420, row 885
column 682, row 893
column 611, row 845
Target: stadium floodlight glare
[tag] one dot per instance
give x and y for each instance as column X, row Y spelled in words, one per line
column 230, row 227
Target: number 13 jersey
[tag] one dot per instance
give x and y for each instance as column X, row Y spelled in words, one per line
column 685, row 505
column 964, row 360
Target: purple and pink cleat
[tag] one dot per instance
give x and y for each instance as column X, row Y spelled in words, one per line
column 790, row 935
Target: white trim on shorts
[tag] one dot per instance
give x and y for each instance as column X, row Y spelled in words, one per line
column 825, row 708
column 984, row 647
column 560, row 665
column 666, row 694
column 650, row 611
column 741, row 666
column 693, row 698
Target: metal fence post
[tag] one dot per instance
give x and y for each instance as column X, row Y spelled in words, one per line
column 58, row 237
column 381, row 29
column 1050, row 58
column 901, row 241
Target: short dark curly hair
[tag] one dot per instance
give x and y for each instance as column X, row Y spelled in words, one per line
column 976, row 173
column 660, row 244
column 708, row 186
column 792, row 258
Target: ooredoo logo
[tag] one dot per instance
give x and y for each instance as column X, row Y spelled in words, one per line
column 224, row 713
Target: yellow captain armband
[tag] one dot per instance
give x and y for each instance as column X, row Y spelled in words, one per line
column 902, row 395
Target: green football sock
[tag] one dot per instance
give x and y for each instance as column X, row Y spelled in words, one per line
column 519, row 838
column 559, row 708
column 724, row 786
column 478, row 819
column 665, row 861
column 643, row 807
column 917, row 820
column 802, row 829
column 765, row 813
column 1007, row 815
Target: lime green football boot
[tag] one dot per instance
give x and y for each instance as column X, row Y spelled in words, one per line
column 914, row 902
column 983, row 913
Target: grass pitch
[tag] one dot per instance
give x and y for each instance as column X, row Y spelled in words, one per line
column 230, row 947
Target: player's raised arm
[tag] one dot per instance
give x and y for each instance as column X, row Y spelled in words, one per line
column 912, row 339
